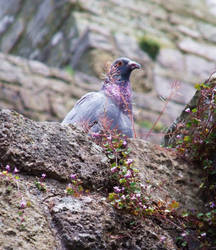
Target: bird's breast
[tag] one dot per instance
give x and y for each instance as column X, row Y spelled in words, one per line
column 121, row 95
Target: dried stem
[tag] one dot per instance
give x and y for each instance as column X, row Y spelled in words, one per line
column 175, row 86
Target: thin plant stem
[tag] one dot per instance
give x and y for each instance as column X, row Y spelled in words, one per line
column 174, row 88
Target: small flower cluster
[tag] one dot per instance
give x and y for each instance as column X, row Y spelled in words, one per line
column 8, row 169
column 40, row 183
column 196, row 137
column 23, row 205
column 9, row 174
column 75, row 186
column 129, row 192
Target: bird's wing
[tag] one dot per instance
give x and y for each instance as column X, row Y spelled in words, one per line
column 87, row 109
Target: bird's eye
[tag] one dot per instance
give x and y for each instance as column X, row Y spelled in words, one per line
column 119, row 63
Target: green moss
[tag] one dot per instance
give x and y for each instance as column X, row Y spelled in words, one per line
column 150, row 46
column 147, row 124
column 69, row 70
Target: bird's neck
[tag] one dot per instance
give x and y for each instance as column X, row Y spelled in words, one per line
column 120, row 92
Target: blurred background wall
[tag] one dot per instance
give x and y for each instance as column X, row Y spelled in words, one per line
column 173, row 40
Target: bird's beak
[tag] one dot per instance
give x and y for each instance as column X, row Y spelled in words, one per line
column 134, row 65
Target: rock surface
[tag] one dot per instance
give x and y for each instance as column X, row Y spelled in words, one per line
column 88, row 221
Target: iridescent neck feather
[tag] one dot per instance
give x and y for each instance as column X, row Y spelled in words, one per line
column 119, row 90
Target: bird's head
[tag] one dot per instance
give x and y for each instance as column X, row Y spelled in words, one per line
column 122, row 67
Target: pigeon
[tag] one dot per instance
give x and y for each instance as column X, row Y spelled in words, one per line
column 110, row 108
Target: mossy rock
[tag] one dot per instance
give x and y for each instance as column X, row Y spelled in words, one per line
column 150, row 46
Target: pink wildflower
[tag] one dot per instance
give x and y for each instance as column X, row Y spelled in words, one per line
column 123, row 197
column 7, row 167
column 138, row 195
column 212, row 204
column 95, row 135
column 109, row 138
column 43, row 175
column 133, row 197
column 128, row 174
column 23, row 203
column 15, row 170
column 129, row 161
column 162, row 238
column 114, row 169
column 117, row 189
column 73, row 176
column 183, row 234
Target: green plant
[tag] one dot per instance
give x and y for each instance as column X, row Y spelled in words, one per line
column 40, row 183
column 196, row 141
column 150, row 46
column 69, row 70
column 75, row 186
column 129, row 193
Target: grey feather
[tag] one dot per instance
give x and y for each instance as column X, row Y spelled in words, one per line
column 91, row 110
column 111, row 107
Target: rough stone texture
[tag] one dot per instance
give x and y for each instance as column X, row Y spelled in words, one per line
column 50, row 147
column 56, row 221
column 88, row 221
column 162, row 172
column 35, row 231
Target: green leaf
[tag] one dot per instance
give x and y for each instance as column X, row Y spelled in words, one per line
column 9, row 188
column 213, row 172
column 112, row 196
column 208, row 214
column 201, row 185
column 199, row 215
column 197, row 86
column 187, row 138
column 133, row 184
column 185, row 214
column 196, row 121
column 118, row 150
column 121, row 205
column 188, row 125
column 111, row 156
column 184, row 244
column 122, row 180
